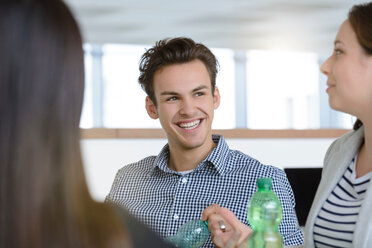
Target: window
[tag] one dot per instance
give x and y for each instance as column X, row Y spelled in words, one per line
column 87, row 112
column 124, row 100
column 259, row 90
column 224, row 117
column 282, row 90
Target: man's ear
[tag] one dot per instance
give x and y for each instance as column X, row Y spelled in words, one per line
column 216, row 98
column 151, row 108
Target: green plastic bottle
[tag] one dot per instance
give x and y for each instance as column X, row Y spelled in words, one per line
column 264, row 215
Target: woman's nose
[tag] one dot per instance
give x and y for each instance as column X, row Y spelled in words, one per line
column 324, row 68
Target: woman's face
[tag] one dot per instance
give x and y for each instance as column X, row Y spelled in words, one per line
column 349, row 72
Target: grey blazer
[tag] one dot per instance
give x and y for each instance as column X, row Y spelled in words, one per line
column 337, row 159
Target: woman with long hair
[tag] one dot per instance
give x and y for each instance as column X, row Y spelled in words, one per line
column 340, row 215
column 44, row 199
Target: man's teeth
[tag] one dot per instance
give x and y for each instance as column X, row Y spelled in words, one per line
column 190, row 125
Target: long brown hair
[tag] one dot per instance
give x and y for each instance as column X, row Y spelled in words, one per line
column 360, row 18
column 44, row 199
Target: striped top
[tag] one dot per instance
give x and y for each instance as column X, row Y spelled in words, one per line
column 334, row 226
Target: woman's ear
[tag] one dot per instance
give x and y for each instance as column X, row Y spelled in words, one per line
column 151, row 108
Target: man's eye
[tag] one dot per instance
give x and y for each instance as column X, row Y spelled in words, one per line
column 173, row 98
column 199, row 93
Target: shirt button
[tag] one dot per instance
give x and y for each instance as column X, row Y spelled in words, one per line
column 184, row 180
column 175, row 216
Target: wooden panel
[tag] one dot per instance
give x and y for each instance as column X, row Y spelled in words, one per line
column 107, row 133
column 99, row 133
column 282, row 133
column 140, row 133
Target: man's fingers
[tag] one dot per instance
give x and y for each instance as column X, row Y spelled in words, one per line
column 212, row 209
column 226, row 240
column 222, row 225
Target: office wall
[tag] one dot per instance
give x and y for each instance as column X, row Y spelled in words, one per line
column 103, row 157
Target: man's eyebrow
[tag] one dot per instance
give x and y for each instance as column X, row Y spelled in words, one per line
column 202, row 87
column 166, row 93
column 173, row 93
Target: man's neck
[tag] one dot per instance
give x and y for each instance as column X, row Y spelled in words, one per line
column 181, row 159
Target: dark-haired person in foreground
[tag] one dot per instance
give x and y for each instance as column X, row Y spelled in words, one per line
column 44, row 199
column 341, row 212
column 196, row 175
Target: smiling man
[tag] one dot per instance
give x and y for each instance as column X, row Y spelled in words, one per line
column 185, row 103
column 195, row 175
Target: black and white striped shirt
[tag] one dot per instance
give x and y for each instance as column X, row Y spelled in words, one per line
column 335, row 223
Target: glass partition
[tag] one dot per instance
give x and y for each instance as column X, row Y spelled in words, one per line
column 259, row 90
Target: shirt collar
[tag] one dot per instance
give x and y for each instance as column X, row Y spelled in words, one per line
column 216, row 158
column 219, row 154
column 161, row 160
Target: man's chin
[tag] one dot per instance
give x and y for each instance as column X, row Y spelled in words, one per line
column 194, row 144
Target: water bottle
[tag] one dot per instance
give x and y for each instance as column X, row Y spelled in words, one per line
column 264, row 216
column 192, row 234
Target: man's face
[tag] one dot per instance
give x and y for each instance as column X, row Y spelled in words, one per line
column 185, row 104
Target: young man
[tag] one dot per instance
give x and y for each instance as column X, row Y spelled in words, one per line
column 196, row 175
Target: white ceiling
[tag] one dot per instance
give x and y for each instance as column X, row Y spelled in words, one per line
column 299, row 25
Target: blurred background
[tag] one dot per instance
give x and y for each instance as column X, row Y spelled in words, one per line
column 269, row 53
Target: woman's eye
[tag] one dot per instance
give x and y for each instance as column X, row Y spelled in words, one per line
column 337, row 51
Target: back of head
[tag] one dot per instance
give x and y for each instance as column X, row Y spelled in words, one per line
column 360, row 18
column 174, row 51
column 43, row 193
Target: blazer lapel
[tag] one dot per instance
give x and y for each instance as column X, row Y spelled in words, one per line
column 339, row 160
column 363, row 228
column 334, row 167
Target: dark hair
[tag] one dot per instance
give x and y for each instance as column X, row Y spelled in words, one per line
column 360, row 18
column 44, row 198
column 174, row 51
column 358, row 123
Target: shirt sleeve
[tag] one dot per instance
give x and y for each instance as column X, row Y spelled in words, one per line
column 114, row 188
column 289, row 227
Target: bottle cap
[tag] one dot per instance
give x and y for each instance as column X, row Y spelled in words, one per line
column 264, row 183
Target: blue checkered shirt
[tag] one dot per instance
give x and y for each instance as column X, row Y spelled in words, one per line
column 165, row 199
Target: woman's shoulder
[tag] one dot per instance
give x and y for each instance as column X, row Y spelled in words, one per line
column 350, row 138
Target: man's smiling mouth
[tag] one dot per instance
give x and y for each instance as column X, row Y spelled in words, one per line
column 189, row 125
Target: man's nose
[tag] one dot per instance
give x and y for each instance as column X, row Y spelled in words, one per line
column 187, row 106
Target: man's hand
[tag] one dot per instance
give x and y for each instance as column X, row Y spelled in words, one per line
column 226, row 230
